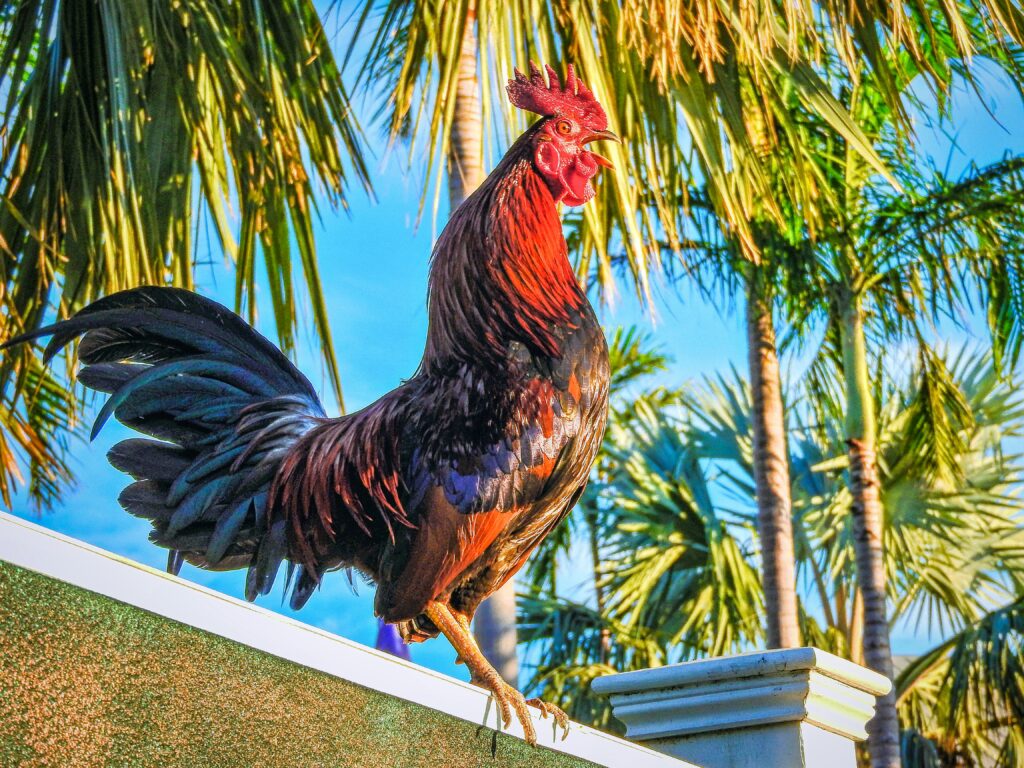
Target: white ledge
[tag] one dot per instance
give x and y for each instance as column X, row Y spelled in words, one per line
column 38, row 549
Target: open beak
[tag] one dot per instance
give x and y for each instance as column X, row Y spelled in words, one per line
column 602, row 136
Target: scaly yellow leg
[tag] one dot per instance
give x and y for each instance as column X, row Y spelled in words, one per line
column 486, row 676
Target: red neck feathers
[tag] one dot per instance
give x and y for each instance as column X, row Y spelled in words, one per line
column 500, row 271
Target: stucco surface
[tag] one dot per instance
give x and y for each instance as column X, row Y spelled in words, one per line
column 88, row 681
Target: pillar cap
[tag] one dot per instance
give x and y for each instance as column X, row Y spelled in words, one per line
column 793, row 685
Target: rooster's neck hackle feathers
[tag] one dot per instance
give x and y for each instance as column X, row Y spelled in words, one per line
column 500, row 271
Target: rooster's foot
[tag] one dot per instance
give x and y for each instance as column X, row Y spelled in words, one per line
column 455, row 627
column 547, row 708
column 508, row 699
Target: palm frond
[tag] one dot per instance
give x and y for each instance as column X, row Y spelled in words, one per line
column 572, row 644
column 674, row 562
column 685, row 115
column 953, row 243
column 126, row 125
column 972, row 684
column 37, row 425
column 632, row 357
column 937, row 424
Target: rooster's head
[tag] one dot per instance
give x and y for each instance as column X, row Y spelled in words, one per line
column 572, row 119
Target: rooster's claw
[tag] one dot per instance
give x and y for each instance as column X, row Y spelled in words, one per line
column 546, row 708
column 507, row 699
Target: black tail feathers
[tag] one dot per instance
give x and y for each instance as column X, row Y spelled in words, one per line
column 224, row 404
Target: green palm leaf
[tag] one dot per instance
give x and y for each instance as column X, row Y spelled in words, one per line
column 966, row 696
column 684, row 109
column 128, row 126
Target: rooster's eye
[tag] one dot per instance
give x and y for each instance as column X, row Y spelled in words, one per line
column 564, row 127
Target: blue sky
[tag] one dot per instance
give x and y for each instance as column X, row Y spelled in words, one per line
column 374, row 263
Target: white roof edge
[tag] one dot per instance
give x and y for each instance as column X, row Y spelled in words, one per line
column 753, row 664
column 39, row 549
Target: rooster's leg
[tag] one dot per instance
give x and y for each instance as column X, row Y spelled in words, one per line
column 464, row 622
column 546, row 708
column 483, row 674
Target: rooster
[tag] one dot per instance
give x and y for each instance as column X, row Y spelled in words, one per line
column 438, row 491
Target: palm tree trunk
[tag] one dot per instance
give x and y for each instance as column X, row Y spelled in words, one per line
column 771, row 472
column 495, row 630
column 495, row 623
column 465, row 151
column 599, row 596
column 883, row 730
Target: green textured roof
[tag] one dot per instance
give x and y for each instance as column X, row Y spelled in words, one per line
column 90, row 680
column 85, row 680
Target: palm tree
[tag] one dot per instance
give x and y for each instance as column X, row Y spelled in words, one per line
column 131, row 127
column 899, row 259
column 909, row 255
column 953, row 539
column 971, row 588
column 892, row 261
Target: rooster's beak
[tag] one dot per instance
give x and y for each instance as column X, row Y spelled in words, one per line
column 602, row 136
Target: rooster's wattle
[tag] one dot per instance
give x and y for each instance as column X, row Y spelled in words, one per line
column 437, row 492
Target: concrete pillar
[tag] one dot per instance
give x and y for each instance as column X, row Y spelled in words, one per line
column 792, row 708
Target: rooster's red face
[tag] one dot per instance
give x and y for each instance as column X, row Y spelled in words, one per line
column 574, row 119
column 561, row 157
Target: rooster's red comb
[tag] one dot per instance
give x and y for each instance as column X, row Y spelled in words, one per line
column 550, row 98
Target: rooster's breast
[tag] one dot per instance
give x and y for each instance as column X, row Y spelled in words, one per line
column 579, row 381
column 497, row 456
